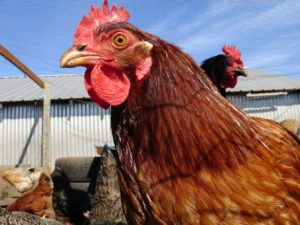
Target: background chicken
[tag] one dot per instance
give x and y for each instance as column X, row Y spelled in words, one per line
column 21, row 180
column 22, row 218
column 186, row 154
column 68, row 202
column 292, row 125
column 38, row 201
column 107, row 208
column 224, row 70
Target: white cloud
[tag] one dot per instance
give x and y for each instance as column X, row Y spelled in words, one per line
column 268, row 33
column 240, row 23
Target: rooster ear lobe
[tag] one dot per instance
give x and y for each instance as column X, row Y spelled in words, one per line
column 143, row 68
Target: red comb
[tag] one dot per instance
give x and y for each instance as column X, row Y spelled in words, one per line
column 234, row 53
column 99, row 17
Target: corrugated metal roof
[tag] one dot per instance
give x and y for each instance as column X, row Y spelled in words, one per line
column 72, row 86
column 262, row 81
column 24, row 89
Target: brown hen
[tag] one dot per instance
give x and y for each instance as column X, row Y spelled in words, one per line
column 186, row 155
column 38, row 201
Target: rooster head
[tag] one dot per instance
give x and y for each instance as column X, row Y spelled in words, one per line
column 113, row 56
column 234, row 67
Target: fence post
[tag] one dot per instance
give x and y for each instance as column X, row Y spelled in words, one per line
column 46, row 128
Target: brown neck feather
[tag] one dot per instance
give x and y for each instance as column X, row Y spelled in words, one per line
column 176, row 116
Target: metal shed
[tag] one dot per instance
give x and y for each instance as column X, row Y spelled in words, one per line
column 267, row 95
column 77, row 124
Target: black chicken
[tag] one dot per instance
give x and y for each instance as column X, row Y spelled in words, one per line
column 68, row 202
column 223, row 70
column 229, row 67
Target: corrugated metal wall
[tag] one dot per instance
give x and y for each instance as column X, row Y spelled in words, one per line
column 276, row 108
column 21, row 131
column 77, row 127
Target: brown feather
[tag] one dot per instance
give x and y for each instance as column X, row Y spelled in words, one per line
column 189, row 156
column 38, row 201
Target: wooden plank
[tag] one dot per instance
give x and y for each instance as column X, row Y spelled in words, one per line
column 46, row 127
column 10, row 57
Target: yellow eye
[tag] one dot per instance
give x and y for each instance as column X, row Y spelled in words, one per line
column 120, row 40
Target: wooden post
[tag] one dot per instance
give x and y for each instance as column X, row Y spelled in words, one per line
column 46, row 157
column 46, row 107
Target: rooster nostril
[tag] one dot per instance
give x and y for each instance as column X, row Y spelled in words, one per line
column 81, row 47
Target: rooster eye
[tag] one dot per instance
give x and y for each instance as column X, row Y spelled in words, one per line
column 120, row 40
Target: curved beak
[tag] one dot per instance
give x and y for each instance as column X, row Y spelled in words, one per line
column 240, row 72
column 74, row 57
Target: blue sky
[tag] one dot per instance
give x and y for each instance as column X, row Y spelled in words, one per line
column 268, row 32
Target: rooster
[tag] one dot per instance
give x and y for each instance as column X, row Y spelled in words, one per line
column 38, row 201
column 186, row 155
column 223, row 70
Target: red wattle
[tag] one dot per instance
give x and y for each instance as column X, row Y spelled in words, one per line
column 91, row 92
column 229, row 82
column 107, row 85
